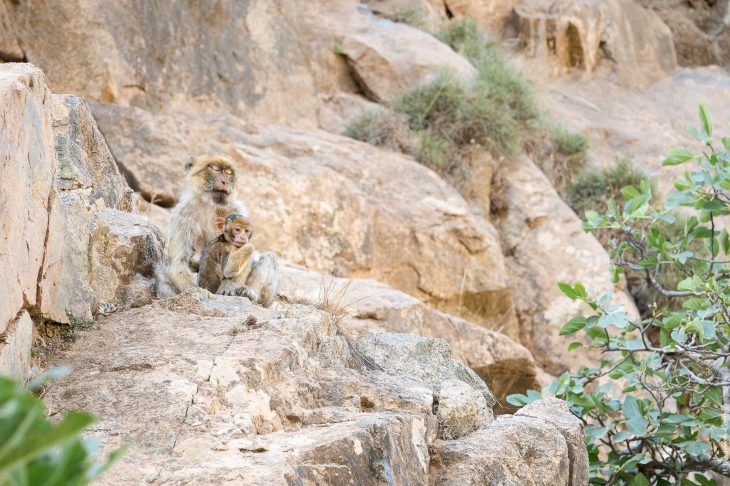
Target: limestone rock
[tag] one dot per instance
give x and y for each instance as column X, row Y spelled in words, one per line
column 494, row 15
column 428, row 14
column 578, row 33
column 518, row 449
column 15, row 343
column 426, row 359
column 384, row 71
column 566, row 33
column 639, row 43
column 121, row 52
column 27, row 169
column 504, row 365
column 556, row 413
column 547, row 245
column 339, row 110
column 58, row 176
column 461, row 409
column 330, row 203
column 125, row 248
column 214, row 390
column 10, row 50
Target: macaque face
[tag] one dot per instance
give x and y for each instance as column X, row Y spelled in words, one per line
column 238, row 230
column 220, row 180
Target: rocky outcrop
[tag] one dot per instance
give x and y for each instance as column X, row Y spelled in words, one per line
column 577, row 34
column 65, row 215
column 384, row 72
column 367, row 305
column 701, row 30
column 216, row 390
column 494, row 15
column 546, row 244
column 331, row 204
column 270, row 61
column 27, row 168
column 427, row 14
column 540, row 445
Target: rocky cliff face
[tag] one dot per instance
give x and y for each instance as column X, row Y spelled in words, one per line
column 445, row 297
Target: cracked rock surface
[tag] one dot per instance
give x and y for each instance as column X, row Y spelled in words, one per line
column 216, row 390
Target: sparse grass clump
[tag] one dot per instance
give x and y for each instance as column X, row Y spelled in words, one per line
column 447, row 116
column 591, row 190
column 412, row 16
column 570, row 144
column 76, row 325
column 385, row 129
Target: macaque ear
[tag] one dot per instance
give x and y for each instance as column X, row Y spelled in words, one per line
column 189, row 164
column 219, row 224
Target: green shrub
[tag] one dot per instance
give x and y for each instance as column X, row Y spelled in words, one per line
column 447, row 116
column 670, row 424
column 412, row 16
column 35, row 451
column 383, row 129
column 571, row 144
column 591, row 190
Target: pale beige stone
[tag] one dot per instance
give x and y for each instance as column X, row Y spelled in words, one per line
column 547, row 245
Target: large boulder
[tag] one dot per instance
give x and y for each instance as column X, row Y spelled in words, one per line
column 242, row 55
column 578, row 33
column 541, row 445
column 27, row 171
column 367, row 305
column 547, row 245
column 330, row 203
column 59, row 178
column 384, row 72
column 271, row 61
column 216, row 390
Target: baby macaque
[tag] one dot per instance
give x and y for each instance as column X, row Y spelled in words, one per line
column 227, row 261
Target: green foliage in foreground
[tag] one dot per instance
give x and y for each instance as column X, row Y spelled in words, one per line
column 657, row 407
column 33, row 451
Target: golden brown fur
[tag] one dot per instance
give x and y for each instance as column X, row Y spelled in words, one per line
column 227, row 261
column 208, row 197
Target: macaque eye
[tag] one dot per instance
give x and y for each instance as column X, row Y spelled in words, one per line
column 215, row 168
column 236, row 230
column 228, row 172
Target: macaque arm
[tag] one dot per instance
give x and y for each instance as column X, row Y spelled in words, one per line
column 238, row 260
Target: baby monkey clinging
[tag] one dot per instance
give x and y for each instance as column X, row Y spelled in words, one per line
column 227, row 261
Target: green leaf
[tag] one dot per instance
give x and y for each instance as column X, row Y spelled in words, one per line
column 567, row 289
column 629, row 192
column 34, row 445
column 706, row 121
column 574, row 325
column 677, row 156
column 635, row 422
column 574, row 345
column 696, row 447
column 639, row 480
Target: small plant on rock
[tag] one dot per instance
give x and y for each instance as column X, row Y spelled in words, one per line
column 657, row 406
